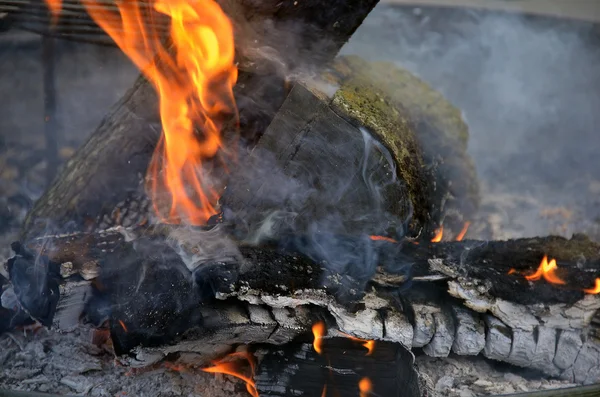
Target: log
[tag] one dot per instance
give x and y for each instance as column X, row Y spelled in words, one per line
column 262, row 295
column 105, row 176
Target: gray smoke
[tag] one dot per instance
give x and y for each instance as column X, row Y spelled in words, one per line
column 529, row 88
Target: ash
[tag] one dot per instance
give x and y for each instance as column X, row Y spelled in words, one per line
column 68, row 364
column 463, row 376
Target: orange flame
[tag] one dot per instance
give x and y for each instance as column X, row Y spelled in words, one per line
column 123, row 325
column 439, row 233
column 368, row 344
column 318, row 330
column 595, row 290
column 383, row 238
column 231, row 368
column 194, row 79
column 55, row 6
column 365, row 386
column 546, row 270
column 324, row 393
column 463, row 231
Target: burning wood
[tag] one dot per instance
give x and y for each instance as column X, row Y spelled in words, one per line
column 337, row 202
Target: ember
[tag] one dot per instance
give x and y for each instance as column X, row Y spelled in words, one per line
column 55, row 7
column 595, row 290
column 368, row 344
column 365, row 386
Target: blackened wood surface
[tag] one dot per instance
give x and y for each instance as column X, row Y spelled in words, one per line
column 297, row 370
column 578, row 261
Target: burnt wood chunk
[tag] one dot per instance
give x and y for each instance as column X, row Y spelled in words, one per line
column 297, row 369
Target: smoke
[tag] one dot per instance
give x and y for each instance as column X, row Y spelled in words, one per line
column 322, row 195
column 529, row 88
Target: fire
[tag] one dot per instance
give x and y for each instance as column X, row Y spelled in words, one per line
column 365, row 386
column 463, row 231
column 368, row 344
column 324, row 393
column 231, row 368
column 194, row 78
column 439, row 233
column 123, row 325
column 546, row 270
column 55, row 6
column 595, row 290
column 383, row 238
column 319, row 331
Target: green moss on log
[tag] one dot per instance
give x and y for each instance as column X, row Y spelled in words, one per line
column 425, row 133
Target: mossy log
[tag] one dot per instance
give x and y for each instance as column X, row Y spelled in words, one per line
column 102, row 184
column 368, row 147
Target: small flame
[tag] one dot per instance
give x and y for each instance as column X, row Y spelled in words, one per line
column 512, row 271
column 368, row 344
column 319, row 330
column 383, row 238
column 123, row 325
column 595, row 290
column 231, row 368
column 194, row 80
column 55, row 6
column 546, row 270
column 463, row 231
column 365, row 386
column 439, row 233
column 324, row 393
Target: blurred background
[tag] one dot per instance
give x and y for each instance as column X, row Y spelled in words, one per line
column 524, row 72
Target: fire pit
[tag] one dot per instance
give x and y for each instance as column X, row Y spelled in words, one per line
column 303, row 222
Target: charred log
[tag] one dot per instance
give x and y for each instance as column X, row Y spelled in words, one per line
column 267, row 296
column 297, row 369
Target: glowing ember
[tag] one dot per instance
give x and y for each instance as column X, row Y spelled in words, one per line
column 54, row 6
column 193, row 78
column 546, row 270
column 383, row 238
column 512, row 271
column 595, row 290
column 232, row 368
column 463, row 231
column 439, row 233
column 123, row 326
column 319, row 331
column 368, row 344
column 365, row 386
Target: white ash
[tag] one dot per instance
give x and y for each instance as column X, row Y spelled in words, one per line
column 470, row 376
column 65, row 363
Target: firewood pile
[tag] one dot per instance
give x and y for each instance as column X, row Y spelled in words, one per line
column 338, row 252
